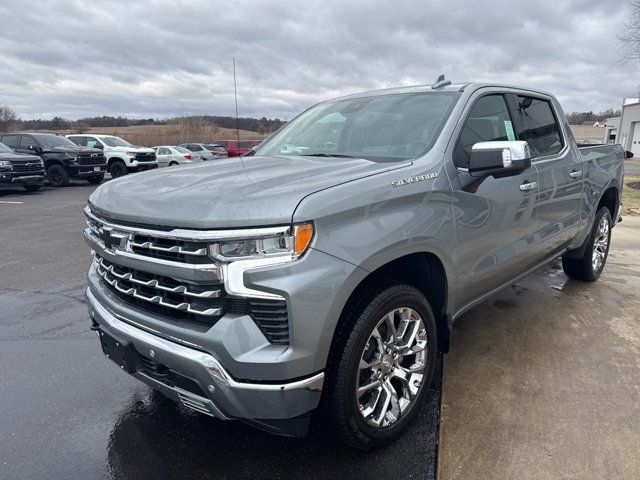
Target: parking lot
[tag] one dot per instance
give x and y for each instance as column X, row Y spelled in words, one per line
column 542, row 380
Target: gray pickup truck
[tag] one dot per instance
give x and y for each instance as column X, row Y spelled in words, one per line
column 326, row 268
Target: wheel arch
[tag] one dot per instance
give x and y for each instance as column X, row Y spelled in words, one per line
column 609, row 199
column 111, row 160
column 424, row 270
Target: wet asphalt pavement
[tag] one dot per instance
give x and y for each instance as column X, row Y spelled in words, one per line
column 68, row 412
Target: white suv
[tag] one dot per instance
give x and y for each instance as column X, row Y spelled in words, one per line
column 122, row 157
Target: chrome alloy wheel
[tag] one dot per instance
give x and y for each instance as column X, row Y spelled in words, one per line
column 392, row 367
column 600, row 244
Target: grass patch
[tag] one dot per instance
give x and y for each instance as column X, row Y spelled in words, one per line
column 631, row 195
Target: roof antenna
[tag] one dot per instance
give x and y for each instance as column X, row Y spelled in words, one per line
column 440, row 83
column 235, row 91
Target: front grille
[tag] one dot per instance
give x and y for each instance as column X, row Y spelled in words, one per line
column 21, row 167
column 146, row 157
column 200, row 302
column 94, row 159
column 164, row 292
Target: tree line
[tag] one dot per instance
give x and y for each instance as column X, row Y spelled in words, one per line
column 9, row 121
column 578, row 118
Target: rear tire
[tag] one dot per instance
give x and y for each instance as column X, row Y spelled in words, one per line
column 117, row 169
column 173, row 164
column 32, row 188
column 589, row 267
column 95, row 180
column 375, row 379
column 57, row 175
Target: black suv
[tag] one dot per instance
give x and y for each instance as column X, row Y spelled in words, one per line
column 20, row 170
column 63, row 159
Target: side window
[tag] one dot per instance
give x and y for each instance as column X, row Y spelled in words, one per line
column 488, row 121
column 27, row 140
column 92, row 142
column 163, row 151
column 11, row 141
column 539, row 126
column 195, row 148
column 82, row 141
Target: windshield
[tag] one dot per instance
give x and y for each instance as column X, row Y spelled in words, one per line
column 115, row 142
column 181, row 149
column 380, row 128
column 5, row 149
column 52, row 141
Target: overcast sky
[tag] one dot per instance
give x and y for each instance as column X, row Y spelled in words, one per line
column 148, row 58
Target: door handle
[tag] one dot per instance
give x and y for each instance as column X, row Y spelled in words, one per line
column 528, row 186
column 575, row 174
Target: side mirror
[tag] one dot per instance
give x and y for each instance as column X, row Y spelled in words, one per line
column 98, row 146
column 34, row 148
column 499, row 159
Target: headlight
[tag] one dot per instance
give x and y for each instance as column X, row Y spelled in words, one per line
column 4, row 163
column 132, row 154
column 289, row 243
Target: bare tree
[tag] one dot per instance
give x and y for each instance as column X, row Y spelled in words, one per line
column 80, row 127
column 8, row 119
column 630, row 34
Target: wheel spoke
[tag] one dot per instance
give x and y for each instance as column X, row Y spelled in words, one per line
column 385, row 405
column 367, row 387
column 390, row 321
column 370, row 407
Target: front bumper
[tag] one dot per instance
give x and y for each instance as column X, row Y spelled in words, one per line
column 30, row 179
column 86, row 171
column 210, row 388
column 135, row 166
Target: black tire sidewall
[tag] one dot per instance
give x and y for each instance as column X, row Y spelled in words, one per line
column 384, row 302
column 603, row 212
column 118, row 169
column 59, row 169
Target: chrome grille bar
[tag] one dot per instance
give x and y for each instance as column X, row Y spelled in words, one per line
column 153, row 283
column 109, row 278
column 173, row 249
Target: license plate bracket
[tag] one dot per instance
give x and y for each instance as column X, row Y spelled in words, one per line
column 119, row 350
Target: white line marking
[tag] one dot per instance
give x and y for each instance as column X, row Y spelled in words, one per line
column 18, row 203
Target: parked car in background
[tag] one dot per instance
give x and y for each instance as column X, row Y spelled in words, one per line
column 63, row 159
column 169, row 156
column 337, row 273
column 122, row 157
column 20, row 170
column 236, row 148
column 199, row 150
column 218, row 151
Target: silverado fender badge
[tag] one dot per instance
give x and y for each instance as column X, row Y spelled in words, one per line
column 417, row 178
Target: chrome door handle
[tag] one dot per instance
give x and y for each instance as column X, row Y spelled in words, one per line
column 575, row 174
column 528, row 186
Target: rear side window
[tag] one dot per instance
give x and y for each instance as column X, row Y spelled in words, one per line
column 222, row 143
column 488, row 121
column 195, row 148
column 539, row 126
column 246, row 144
column 11, row 141
column 82, row 141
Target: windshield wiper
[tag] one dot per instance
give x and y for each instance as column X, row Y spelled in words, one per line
column 338, row 155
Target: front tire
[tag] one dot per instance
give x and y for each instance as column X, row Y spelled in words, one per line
column 57, row 175
column 117, row 169
column 381, row 366
column 589, row 267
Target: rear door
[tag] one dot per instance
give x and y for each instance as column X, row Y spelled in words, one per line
column 559, row 197
column 494, row 216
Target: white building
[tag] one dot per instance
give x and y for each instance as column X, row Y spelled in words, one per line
column 611, row 129
column 629, row 131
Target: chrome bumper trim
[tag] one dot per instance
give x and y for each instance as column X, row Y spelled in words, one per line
column 217, row 372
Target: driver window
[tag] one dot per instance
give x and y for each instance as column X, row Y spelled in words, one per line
column 488, row 121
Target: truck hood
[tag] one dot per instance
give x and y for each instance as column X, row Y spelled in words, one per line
column 130, row 149
column 72, row 149
column 223, row 194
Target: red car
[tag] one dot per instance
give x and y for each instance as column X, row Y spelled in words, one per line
column 235, row 148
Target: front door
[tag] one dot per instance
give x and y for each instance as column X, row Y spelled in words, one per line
column 494, row 216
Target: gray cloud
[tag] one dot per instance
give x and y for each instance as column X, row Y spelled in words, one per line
column 153, row 58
